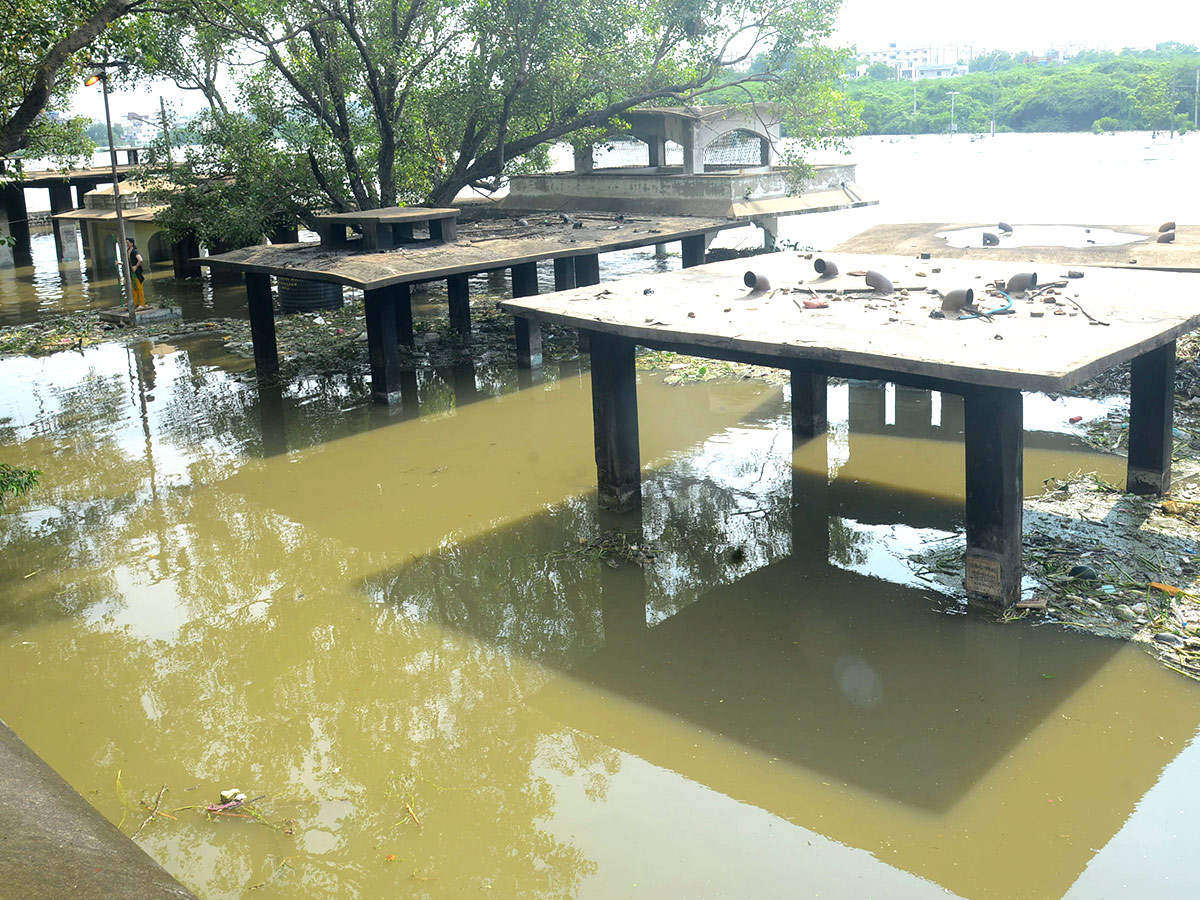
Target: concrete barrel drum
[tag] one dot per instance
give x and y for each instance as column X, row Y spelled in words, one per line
column 300, row 295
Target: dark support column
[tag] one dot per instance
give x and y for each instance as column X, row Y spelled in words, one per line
column 810, row 415
column 1151, row 415
column 693, row 251
column 615, row 417
column 60, row 198
column 564, row 273
column 402, row 302
column 444, row 230
column 587, row 269
column 460, row 303
column 262, row 324
column 12, row 199
column 221, row 274
column 994, row 444
column 381, row 345
column 529, row 331
column 587, row 272
column 401, row 231
column 524, row 280
column 377, row 236
column 658, row 151
column 60, row 202
column 182, row 254
column 288, row 235
column 529, row 343
column 332, row 234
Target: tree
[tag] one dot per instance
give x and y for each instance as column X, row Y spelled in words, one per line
column 1151, row 101
column 97, row 133
column 414, row 100
column 39, row 43
column 235, row 186
column 881, row 71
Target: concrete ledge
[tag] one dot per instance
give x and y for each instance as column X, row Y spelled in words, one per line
column 151, row 315
column 54, row 845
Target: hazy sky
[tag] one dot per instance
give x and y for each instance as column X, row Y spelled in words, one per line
column 1033, row 25
column 1018, row 24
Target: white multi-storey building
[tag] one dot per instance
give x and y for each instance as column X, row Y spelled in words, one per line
column 916, row 63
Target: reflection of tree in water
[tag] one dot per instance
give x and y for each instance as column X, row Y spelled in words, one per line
column 211, row 409
column 520, row 589
column 56, row 544
column 341, row 719
column 275, row 680
column 846, row 545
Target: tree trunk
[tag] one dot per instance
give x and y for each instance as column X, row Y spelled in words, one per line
column 12, row 133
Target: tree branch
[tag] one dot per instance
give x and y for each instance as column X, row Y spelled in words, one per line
column 13, row 132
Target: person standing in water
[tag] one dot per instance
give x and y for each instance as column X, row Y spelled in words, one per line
column 139, row 277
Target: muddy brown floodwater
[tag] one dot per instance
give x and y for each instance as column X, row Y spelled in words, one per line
column 405, row 631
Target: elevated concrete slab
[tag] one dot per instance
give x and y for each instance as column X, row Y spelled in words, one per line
column 913, row 239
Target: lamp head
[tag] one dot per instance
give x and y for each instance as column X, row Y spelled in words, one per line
column 92, row 79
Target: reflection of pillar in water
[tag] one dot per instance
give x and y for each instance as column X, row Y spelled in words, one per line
column 914, row 412
column 868, row 401
column 270, row 409
column 144, row 358
column 810, row 499
column 410, row 402
column 530, row 377
column 623, row 588
column 953, row 416
column 462, row 377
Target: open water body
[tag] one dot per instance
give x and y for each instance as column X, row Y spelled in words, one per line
column 393, row 627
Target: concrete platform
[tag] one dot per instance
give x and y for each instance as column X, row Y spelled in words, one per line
column 54, row 845
column 914, row 238
column 1032, row 342
column 151, row 315
column 481, row 247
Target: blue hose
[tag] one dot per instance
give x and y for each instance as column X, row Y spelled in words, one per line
column 992, row 312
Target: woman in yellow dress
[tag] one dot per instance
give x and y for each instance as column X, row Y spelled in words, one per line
column 139, row 277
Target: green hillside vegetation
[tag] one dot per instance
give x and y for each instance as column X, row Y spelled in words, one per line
column 1151, row 90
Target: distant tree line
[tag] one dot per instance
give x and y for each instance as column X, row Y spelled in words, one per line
column 1150, row 90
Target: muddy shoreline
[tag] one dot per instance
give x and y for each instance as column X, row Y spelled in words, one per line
column 1097, row 559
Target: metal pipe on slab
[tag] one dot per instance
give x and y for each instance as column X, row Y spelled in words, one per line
column 1022, row 281
column 757, row 281
column 879, row 281
column 957, row 299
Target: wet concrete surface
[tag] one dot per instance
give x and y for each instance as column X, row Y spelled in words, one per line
column 54, row 845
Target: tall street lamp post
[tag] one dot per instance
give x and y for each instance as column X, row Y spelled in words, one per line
column 101, row 76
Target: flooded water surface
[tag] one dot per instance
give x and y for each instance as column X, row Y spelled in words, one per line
column 448, row 674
